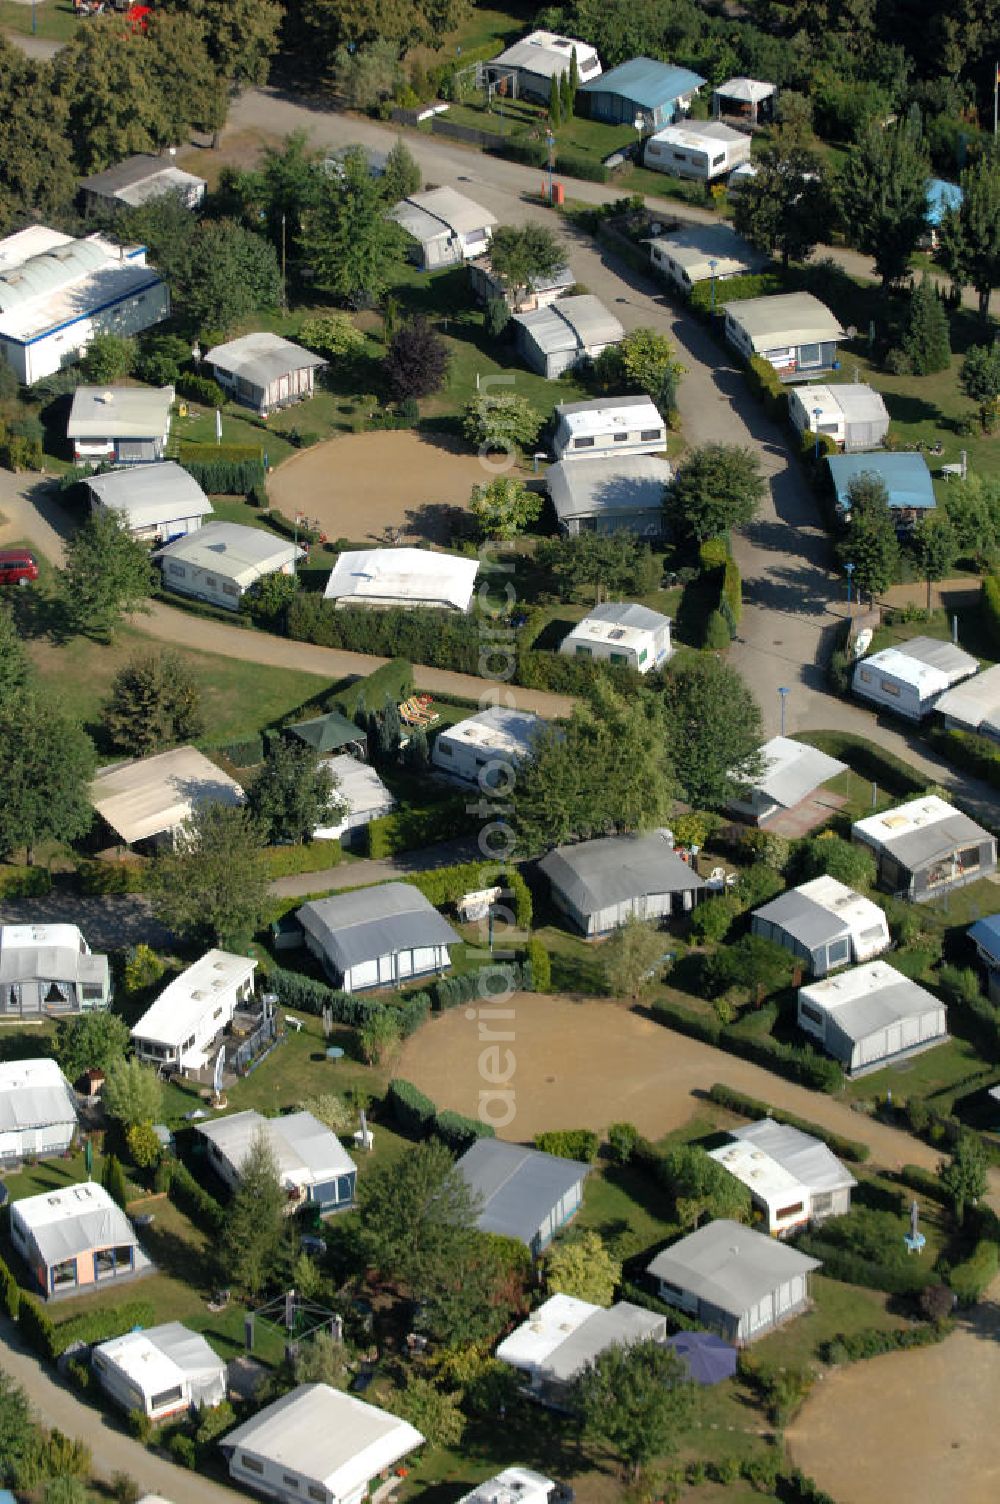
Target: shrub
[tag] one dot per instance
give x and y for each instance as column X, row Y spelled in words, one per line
column 936, row 1303
column 37, row 1328
column 140, row 1425
column 220, row 477
column 493, row 983
column 183, row 1448
column 622, row 1140
column 10, row 1293
column 872, row 1342
column 459, row 1132
column 570, row 1143
column 200, row 389
column 413, row 1111
column 712, row 920
column 143, row 968
column 749, row 1107
column 990, row 609
column 520, row 895
column 214, row 1421
column 410, row 829
column 194, row 1201
column 717, row 635
column 541, row 966
column 970, row 1278
column 143, row 1145
column 924, row 1182
column 124, row 1489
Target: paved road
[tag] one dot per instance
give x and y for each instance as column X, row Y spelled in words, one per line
column 113, row 1452
column 360, row 874
column 109, row 921
column 37, row 47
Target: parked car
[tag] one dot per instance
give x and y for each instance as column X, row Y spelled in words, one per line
column 17, row 566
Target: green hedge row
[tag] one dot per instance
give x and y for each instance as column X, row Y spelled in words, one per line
column 10, row 1291
column 799, row 1063
column 735, row 289
column 416, row 1113
column 50, row 1339
column 750, row 1107
column 977, row 754
column 200, row 389
column 225, row 454
column 765, row 384
column 840, row 1264
column 891, row 773
column 411, row 829
column 493, row 983
column 990, row 610
column 677, row 1320
column 570, row 1143
column 226, row 477
column 973, row 1275
column 307, row 995
column 391, row 682
column 194, row 1201
column 460, row 1132
column 435, row 638
column 873, row 1341
column 924, row 1182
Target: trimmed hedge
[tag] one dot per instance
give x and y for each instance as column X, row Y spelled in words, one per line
column 990, row 609
column 226, row 454
column 194, row 1201
column 306, row 995
column 799, row 1063
column 413, row 1109
column 412, row 829
column 677, row 1320
column 392, row 681
column 200, row 389
column 924, row 1182
column 765, row 384
column 225, row 477
column 37, row 1328
column 245, row 754
column 891, row 773
column 493, row 983
column 10, row 1291
column 734, row 290
column 970, row 1278
column 460, row 1132
column 873, row 1341
column 570, row 1143
column 968, row 750
column 103, row 1325
column 839, row 1263
column 429, row 637
column 750, row 1107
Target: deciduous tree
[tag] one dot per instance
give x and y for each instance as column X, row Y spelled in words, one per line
column 883, row 195
column 241, row 36
column 970, row 238
column 629, row 958
column 834, row 857
column 964, row 1175
column 132, row 1092
column 636, row 1399
column 522, row 255
column 936, row 548
column 702, row 1188
column 504, row 506
column 254, row 1231
column 46, row 764
column 502, row 421
column 348, row 240
column 416, row 362
column 107, row 574
column 714, row 731
column 617, row 564
column 583, row 1267
column 402, row 175
column 293, row 794
column 38, row 178
column 91, row 1041
column 213, row 886
column 155, row 703
column 786, row 209
column 334, row 335
column 979, row 379
column 718, row 487
column 109, row 357
column 871, row 544
column 17, row 1430
column 14, row 665
column 230, row 273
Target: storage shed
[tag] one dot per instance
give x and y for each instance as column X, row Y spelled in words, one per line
column 793, row 331
column 974, row 705
column 530, row 65
column 701, row 150
column 221, row 561
column 555, row 339
column 362, row 790
column 926, row 847
column 870, row 1016
column 484, row 748
column 158, row 502
column 264, row 371
column 317, row 1443
column 641, row 90
column 621, row 632
column 121, row 425
column 377, row 937
column 735, row 1280
column 445, row 227
column 853, row 414
column 38, row 1114
column 601, row 884
column 564, row 1334
column 314, row 1167
column 522, row 1193
column 907, row 481
column 384, row 577
column 911, row 677
column 163, row 1371
column 608, row 426
column 824, row 923
column 623, row 494
column 792, row 772
column 750, row 99
column 148, row 799
column 692, row 254
column 793, row 1179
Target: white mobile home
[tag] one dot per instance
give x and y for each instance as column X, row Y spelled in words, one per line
column 624, row 494
column 362, row 790
column 911, row 678
column 701, row 150
column 792, row 772
column 37, row 1110
column 124, row 425
column 264, row 371
column 693, row 254
column 868, row 1016
column 317, row 1443
column 926, row 847
column 620, row 632
column 221, row 561
column 608, row 426
column 178, row 1030
column 485, row 747
column 158, row 502
column 825, row 924
column 56, row 293
column 793, row 331
column 384, row 577
column 602, row 884
column 165, row 1370
column 149, row 799
column 515, row 1485
column 853, row 415
column 793, row 1179
column 377, row 937
column 313, row 1165
column 530, row 65
column 974, row 705
column 137, row 180
column 445, row 227
column 555, row 339
column 565, row 1334
column 49, row 969
column 737, row 1281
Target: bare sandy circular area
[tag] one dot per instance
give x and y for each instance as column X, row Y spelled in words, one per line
column 919, row 1426
column 358, row 485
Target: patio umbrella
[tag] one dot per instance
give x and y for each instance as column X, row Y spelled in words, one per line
column 706, row 1357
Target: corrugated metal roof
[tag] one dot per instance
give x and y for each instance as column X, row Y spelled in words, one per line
column 905, row 477
column 517, row 1189
column 161, row 492
column 574, row 323
column 595, row 875
column 785, row 318
column 629, row 483
column 645, row 82
column 372, row 922
column 729, row 1266
column 261, row 358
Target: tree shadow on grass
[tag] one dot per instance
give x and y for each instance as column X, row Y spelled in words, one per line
column 174, row 1255
column 906, row 408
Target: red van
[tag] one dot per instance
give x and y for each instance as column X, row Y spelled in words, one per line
column 17, row 566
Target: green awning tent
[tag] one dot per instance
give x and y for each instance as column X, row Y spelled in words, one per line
column 329, row 733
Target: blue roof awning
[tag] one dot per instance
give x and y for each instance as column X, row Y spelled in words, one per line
column 941, row 197
column 646, row 82
column 905, row 476
column 986, row 934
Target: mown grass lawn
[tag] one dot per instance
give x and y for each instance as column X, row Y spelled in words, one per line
column 55, row 20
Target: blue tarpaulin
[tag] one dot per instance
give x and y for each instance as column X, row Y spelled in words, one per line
column 905, row 476
column 706, row 1357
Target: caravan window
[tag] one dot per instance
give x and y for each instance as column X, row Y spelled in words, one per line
column 620, row 438
column 788, row 1211
column 813, row 1014
column 583, row 443
column 167, row 1397
column 810, row 355
column 719, row 161
column 888, row 688
column 968, row 859
column 650, row 435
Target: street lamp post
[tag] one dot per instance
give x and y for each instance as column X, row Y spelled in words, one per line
column 817, row 414
column 849, row 567
column 783, row 696
column 712, row 264
column 550, row 142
